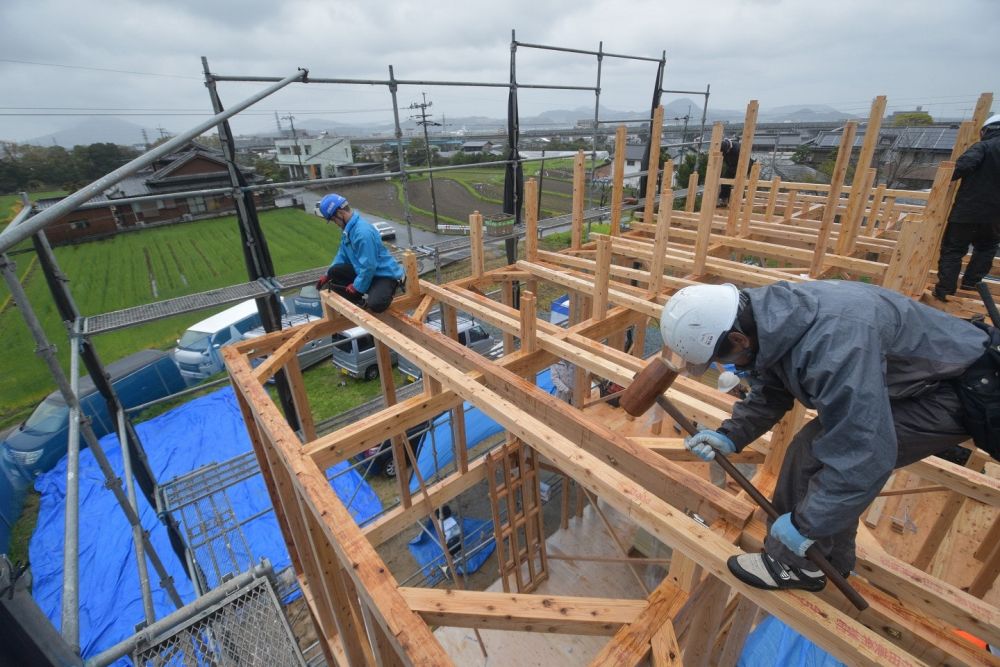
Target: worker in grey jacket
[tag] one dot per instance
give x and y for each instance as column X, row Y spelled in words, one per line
column 880, row 370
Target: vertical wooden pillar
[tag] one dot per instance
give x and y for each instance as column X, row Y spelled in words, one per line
column 618, row 181
column 383, row 355
column 661, row 238
column 851, row 224
column 412, row 273
column 772, row 198
column 507, row 298
column 708, row 199
column 476, row 244
column 786, row 216
column 746, row 147
column 705, row 624
column 293, row 372
column 529, row 320
column 749, row 202
column 655, row 131
column 876, row 210
column 599, row 307
column 916, row 248
column 531, row 220
column 860, row 191
column 579, row 187
column 449, row 322
column 833, row 199
column 692, row 192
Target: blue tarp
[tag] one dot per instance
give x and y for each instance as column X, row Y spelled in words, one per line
column 774, row 643
column 478, row 427
column 428, row 553
column 205, row 430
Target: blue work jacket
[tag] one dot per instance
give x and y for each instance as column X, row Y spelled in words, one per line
column 361, row 247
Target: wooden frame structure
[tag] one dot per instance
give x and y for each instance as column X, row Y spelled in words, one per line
column 698, row 614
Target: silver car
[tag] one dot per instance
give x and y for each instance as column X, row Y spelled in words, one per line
column 470, row 334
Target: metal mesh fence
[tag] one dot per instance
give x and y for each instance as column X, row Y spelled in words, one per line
column 247, row 628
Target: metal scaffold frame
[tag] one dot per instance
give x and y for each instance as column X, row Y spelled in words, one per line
column 792, row 232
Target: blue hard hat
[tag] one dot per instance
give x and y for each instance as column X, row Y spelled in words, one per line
column 329, row 205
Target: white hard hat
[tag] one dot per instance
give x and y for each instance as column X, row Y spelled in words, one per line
column 728, row 381
column 992, row 120
column 695, row 318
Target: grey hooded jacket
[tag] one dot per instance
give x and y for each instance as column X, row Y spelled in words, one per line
column 848, row 350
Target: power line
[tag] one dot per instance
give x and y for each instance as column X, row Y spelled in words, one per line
column 97, row 69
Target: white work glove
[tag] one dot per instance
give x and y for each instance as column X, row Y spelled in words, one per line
column 704, row 444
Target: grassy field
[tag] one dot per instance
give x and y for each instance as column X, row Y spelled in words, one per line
column 120, row 272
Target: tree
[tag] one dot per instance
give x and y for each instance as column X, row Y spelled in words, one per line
column 912, row 119
column 416, row 153
column 692, row 162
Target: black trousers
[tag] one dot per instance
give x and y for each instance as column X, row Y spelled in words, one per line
column 379, row 294
column 957, row 239
column 924, row 426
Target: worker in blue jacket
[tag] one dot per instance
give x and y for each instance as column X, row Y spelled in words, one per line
column 363, row 271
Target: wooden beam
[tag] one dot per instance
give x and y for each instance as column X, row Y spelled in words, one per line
column 826, row 626
column 632, row 643
column 664, row 649
column 555, row 614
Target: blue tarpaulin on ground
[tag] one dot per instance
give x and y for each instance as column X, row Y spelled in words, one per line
column 774, row 643
column 478, row 427
column 477, row 538
column 206, row 430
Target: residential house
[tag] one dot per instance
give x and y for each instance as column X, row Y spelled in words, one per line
column 192, row 168
column 314, row 157
column 477, row 147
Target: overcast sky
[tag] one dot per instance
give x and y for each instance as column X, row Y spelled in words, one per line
column 842, row 53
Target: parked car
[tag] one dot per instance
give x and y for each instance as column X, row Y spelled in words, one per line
column 197, row 351
column 354, row 354
column 139, row 378
column 307, row 301
column 311, row 353
column 316, row 209
column 385, row 230
column 378, row 460
column 470, row 334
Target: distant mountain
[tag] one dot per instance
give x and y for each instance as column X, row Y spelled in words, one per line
column 106, row 129
column 799, row 113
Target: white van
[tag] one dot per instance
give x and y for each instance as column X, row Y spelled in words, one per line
column 197, row 351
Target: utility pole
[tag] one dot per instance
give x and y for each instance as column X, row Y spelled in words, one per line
column 145, row 139
column 423, row 106
column 163, row 131
column 295, row 137
column 277, row 121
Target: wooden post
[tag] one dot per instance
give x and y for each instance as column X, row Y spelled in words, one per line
column 915, row 249
column 876, row 210
column 600, row 302
column 412, row 273
column 449, row 321
column 507, row 299
column 383, row 355
column 664, row 649
column 476, row 244
column 529, row 320
column 655, row 131
column 579, row 186
column 751, row 196
column 860, row 191
column 293, row 372
column 746, row 147
column 692, row 193
column 660, row 239
column 772, row 198
column 786, row 216
column 531, row 220
column 836, row 182
column 856, row 205
column 705, row 220
column 740, row 626
column 618, row 181
column 700, row 637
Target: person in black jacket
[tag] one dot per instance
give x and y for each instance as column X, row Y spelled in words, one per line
column 975, row 217
column 730, row 161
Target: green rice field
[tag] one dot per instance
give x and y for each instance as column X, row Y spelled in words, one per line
column 122, row 271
